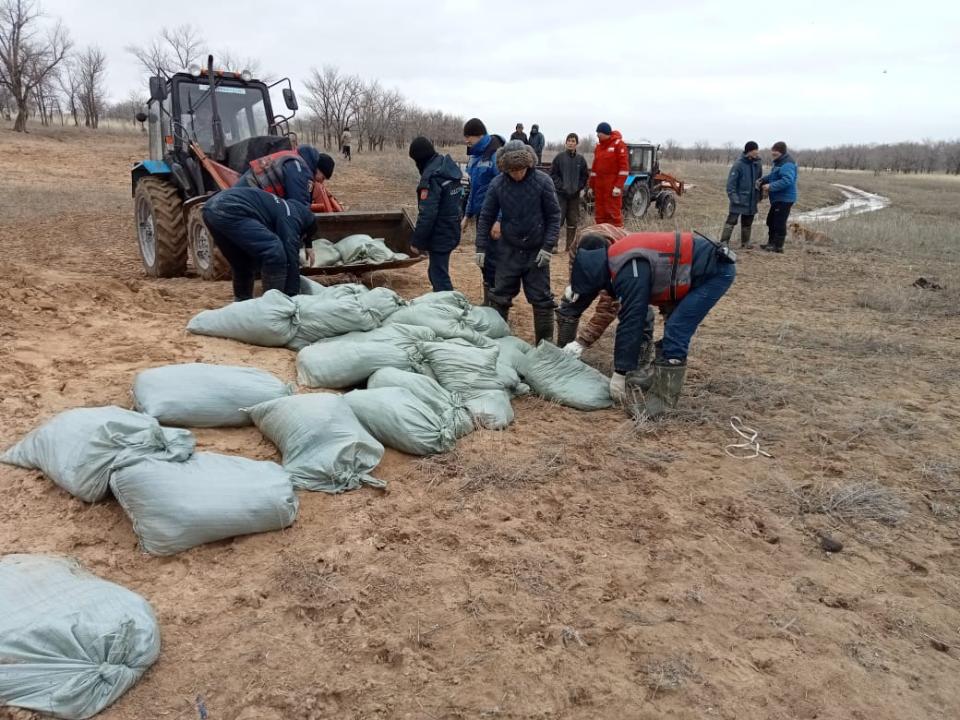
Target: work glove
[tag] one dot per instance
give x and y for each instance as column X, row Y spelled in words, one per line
column 569, row 295
column 574, row 348
column 543, row 258
column 617, row 192
column 480, row 258
column 618, row 387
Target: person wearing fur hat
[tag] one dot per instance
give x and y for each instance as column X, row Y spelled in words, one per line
column 525, row 201
column 439, row 195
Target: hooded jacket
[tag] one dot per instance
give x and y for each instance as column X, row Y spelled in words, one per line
column 292, row 222
column 537, row 142
column 783, row 180
column 610, row 163
column 482, row 169
column 569, row 173
column 439, row 195
column 742, row 185
column 297, row 175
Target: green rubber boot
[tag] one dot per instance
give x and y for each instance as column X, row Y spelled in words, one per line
column 664, row 392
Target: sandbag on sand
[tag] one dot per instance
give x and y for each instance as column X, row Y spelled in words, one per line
column 312, row 287
column 488, row 321
column 78, row 449
column 447, row 321
column 201, row 395
column 398, row 419
column 177, row 506
column 512, row 352
column 270, row 320
column 443, row 402
column 324, row 446
column 472, row 372
column 70, row 643
column 557, row 376
column 322, row 317
column 382, row 302
column 348, row 360
column 443, row 297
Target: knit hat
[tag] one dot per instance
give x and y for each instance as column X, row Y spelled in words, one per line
column 750, row 147
column 515, row 155
column 574, row 137
column 474, row 127
column 325, row 164
column 605, row 128
column 780, row 146
column 421, row 150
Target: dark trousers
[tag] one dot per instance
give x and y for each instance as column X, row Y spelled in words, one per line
column 438, row 271
column 518, row 268
column 489, row 270
column 248, row 246
column 745, row 220
column 569, row 215
column 346, row 152
column 777, row 222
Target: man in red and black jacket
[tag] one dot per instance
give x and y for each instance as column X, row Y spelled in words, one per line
column 684, row 274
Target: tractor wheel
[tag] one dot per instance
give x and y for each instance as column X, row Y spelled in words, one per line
column 208, row 261
column 161, row 234
column 637, row 200
column 667, row 205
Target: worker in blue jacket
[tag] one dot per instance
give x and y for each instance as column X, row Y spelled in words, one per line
column 256, row 230
column 439, row 195
column 781, row 184
column 290, row 174
column 482, row 169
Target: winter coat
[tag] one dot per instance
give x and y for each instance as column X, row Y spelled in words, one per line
column 345, row 138
column 439, row 194
column 537, row 142
column 782, row 179
column 482, row 169
column 521, row 136
column 528, row 210
column 297, row 175
column 569, row 173
column 742, row 185
column 611, row 165
column 292, row 222
column 590, row 275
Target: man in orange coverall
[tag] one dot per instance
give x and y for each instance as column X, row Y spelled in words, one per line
column 608, row 174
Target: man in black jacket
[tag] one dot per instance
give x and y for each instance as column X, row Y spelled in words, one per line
column 439, row 196
column 526, row 202
column 743, row 194
column 570, row 173
column 520, row 135
column 537, row 142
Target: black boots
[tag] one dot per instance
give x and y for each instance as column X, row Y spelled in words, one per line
column 543, row 324
column 775, row 244
column 566, row 329
column 571, row 236
column 745, row 232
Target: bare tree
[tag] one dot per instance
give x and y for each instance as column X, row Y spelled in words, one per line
column 174, row 50
column 69, row 80
column 27, row 58
column 6, row 102
column 92, row 69
column 730, row 149
column 333, row 98
column 701, row 150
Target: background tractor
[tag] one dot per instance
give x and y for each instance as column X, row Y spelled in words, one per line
column 204, row 128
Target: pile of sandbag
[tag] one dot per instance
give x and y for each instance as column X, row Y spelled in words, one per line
column 70, row 643
column 351, row 250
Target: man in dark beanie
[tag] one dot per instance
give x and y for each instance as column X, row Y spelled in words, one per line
column 611, row 166
column 537, row 142
column 781, row 184
column 482, row 169
column 569, row 174
column 526, row 203
column 743, row 193
column 439, row 195
column 289, row 174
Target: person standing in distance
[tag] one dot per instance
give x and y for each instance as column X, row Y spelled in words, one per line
column 569, row 174
column 781, row 185
column 743, row 194
column 608, row 175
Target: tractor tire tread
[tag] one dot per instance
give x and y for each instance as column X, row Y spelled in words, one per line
column 170, row 232
column 220, row 270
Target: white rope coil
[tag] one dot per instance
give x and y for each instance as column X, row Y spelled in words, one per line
column 748, row 449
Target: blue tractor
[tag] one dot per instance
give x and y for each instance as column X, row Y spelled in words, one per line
column 205, row 126
column 645, row 185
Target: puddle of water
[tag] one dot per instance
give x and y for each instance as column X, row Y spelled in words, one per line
column 857, row 202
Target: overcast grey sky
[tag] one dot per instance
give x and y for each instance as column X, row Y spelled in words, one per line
column 812, row 73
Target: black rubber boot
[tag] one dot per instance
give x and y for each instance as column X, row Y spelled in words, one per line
column 566, row 329
column 542, row 325
column 727, row 234
column 745, row 232
column 777, row 243
column 571, row 236
column 504, row 310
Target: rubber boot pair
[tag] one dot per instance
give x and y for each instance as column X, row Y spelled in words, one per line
column 662, row 393
column 566, row 329
column 727, row 233
column 542, row 324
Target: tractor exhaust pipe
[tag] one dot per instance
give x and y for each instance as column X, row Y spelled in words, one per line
column 219, row 142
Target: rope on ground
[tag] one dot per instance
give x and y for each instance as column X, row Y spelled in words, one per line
column 748, row 449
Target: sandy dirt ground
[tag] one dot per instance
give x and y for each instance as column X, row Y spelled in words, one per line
column 573, row 566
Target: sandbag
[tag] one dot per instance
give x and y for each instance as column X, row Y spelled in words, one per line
column 512, row 352
column 557, row 376
column 349, row 360
column 443, row 402
column 324, row 446
column 472, row 372
column 490, row 408
column 325, row 254
column 70, row 643
column 356, row 249
column 201, row 395
column 398, row 419
column 177, row 506
column 382, row 302
column 312, row 287
column 322, row 317
column 78, row 449
column 270, row 320
column 443, row 297
column 447, row 321
column 488, row 321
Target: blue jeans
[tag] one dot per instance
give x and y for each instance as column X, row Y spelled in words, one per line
column 690, row 312
column 438, row 271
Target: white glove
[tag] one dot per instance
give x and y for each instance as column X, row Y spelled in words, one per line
column 570, row 296
column 617, row 192
column 543, row 258
column 574, row 348
column 618, row 387
column 480, row 258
